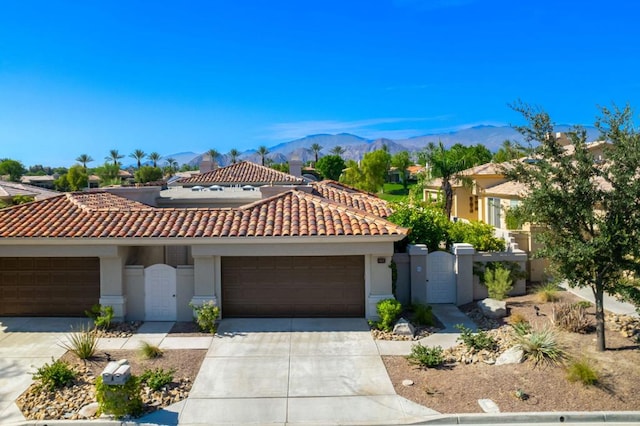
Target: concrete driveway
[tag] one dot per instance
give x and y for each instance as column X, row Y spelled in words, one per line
column 296, row 371
column 25, row 345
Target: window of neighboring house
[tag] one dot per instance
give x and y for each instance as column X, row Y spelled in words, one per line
column 493, row 212
column 473, row 203
column 514, row 203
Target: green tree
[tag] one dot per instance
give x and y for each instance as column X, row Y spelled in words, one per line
column 316, row 148
column 154, row 157
column 589, row 211
column 402, row 161
column 262, row 152
column 371, row 173
column 508, row 151
column 148, row 174
column 114, row 156
column 281, row 167
column 74, row 180
column 84, row 159
column 337, row 150
column 109, row 174
column 331, row 166
column 138, row 155
column 213, row 154
column 234, row 154
column 13, row 168
column 447, row 165
column 427, row 223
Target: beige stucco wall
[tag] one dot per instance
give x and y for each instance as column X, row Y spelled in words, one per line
column 519, row 256
column 184, row 292
column 134, row 289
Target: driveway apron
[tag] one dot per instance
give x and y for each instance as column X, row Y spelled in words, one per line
column 296, row 371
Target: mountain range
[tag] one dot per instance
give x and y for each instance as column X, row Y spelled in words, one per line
column 355, row 146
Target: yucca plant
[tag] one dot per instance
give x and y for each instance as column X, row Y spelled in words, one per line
column 82, row 343
column 540, row 346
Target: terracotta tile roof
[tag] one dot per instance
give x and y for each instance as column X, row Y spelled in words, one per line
column 242, row 173
column 351, row 197
column 105, row 215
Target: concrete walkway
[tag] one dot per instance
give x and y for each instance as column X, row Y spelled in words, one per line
column 611, row 304
column 449, row 316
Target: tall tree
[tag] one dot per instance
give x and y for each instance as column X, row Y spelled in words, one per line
column 262, row 152
column 337, row 150
column 331, row 166
column 13, row 168
column 138, row 155
column 234, row 154
column 316, row 148
column 371, row 173
column 84, row 159
column 114, row 156
column 446, row 165
column 154, row 157
column 589, row 211
column 508, row 151
column 402, row 161
column 172, row 166
column 213, row 154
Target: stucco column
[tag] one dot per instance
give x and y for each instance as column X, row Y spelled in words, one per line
column 205, row 280
column 112, row 292
column 378, row 286
column 464, row 272
column 418, row 272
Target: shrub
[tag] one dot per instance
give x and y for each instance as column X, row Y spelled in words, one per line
column 541, row 346
column 517, row 318
column 584, row 304
column 582, row 371
column 498, row 282
column 157, row 378
column 478, row 234
column 547, row 292
column 570, row 317
column 428, row 223
column 82, row 344
column 521, row 328
column 54, row 375
column 206, row 316
column 101, row 316
column 475, row 341
column 119, row 400
column 426, row 356
column 423, row 315
column 149, row 351
column 388, row 310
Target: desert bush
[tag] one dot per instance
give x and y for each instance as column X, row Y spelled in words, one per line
column 149, row 351
column 478, row 234
column 423, row 315
column 426, row 356
column 547, row 292
column 82, row 343
column 101, row 316
column 521, row 328
column 516, row 318
column 498, row 282
column 157, row 378
column 584, row 304
column 206, row 316
column 582, row 371
column 54, row 375
column 476, row 341
column 541, row 347
column 389, row 310
column 119, row 400
column 570, row 317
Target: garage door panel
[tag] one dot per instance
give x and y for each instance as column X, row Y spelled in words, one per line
column 48, row 286
column 295, row 286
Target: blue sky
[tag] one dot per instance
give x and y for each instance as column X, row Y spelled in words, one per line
column 89, row 76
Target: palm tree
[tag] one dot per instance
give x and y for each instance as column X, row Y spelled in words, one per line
column 446, row 166
column 316, row 148
column 84, row 159
column 114, row 156
column 337, row 150
column 154, row 157
column 139, row 155
column 171, row 166
column 262, row 152
column 214, row 154
column 233, row 155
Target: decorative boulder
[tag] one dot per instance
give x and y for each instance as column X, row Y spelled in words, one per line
column 513, row 355
column 493, row 308
column 404, row 328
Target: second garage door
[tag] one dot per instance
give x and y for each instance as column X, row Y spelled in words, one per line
column 48, row 286
column 293, row 286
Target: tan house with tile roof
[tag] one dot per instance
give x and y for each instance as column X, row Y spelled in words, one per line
column 293, row 254
column 8, row 190
column 242, row 173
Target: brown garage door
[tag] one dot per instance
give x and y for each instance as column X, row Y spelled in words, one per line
column 48, row 286
column 294, row 286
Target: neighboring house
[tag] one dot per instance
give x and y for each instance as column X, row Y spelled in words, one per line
column 240, row 174
column 8, row 190
column 292, row 254
column 45, row 181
